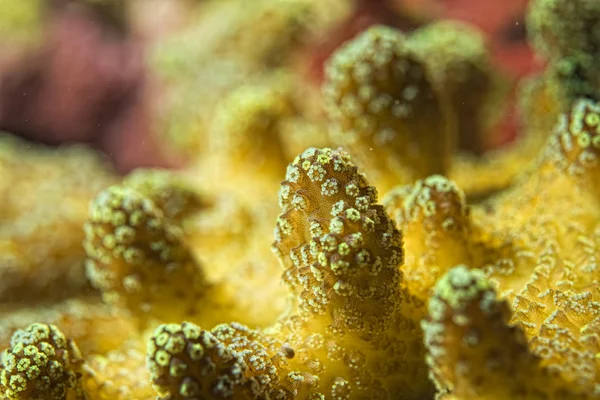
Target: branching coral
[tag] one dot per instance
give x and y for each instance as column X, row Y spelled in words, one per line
column 257, row 39
column 247, row 125
column 232, row 361
column 376, row 302
column 40, row 364
column 434, row 217
column 171, row 193
column 328, row 225
column 475, row 354
column 137, row 257
column 458, row 60
column 386, row 109
column 342, row 255
column 575, row 147
column 538, row 108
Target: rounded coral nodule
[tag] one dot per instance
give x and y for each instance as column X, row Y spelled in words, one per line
column 40, row 364
column 434, row 216
column 175, row 197
column 247, row 126
column 384, row 107
column 456, row 54
column 341, row 251
column 472, row 351
column 231, row 361
column 137, row 257
column 186, row 362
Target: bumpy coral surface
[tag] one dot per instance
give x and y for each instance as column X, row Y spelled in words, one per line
column 135, row 256
column 474, row 354
column 390, row 265
column 381, row 98
column 40, row 364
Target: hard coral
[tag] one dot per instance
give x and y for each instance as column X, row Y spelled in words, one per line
column 475, row 354
column 575, row 147
column 459, row 62
column 171, row 193
column 40, row 364
column 246, row 127
column 232, row 361
column 376, row 302
column 434, row 217
column 342, row 255
column 341, row 251
column 137, row 257
column 385, row 107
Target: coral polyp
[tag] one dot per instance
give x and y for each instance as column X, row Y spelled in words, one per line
column 345, row 241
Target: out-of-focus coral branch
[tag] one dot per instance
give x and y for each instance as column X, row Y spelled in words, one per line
column 385, row 108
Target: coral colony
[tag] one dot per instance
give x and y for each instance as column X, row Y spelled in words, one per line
column 388, row 266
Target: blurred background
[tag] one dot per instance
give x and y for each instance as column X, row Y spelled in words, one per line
column 126, row 77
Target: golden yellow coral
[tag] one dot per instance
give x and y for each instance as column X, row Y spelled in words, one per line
column 358, row 287
column 244, row 137
column 40, row 364
column 119, row 375
column 96, row 327
column 457, row 57
column 539, row 105
column 138, row 258
column 169, row 191
column 186, row 362
column 434, row 218
column 340, row 250
column 256, row 38
column 386, row 109
column 472, row 351
column 575, row 146
column 342, row 255
column 45, row 194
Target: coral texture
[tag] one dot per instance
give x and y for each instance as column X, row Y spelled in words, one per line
column 393, row 265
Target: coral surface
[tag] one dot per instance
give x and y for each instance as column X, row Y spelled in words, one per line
column 332, row 242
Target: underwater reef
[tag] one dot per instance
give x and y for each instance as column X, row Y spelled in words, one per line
column 346, row 239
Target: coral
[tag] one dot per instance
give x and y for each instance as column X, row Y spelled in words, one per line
column 338, row 248
column 434, row 217
column 137, row 257
column 564, row 32
column 170, row 192
column 246, row 126
column 459, row 63
column 256, row 41
column 89, row 322
column 40, row 364
column 475, row 278
column 45, row 194
column 538, row 108
column 231, row 361
column 120, row 374
column 475, row 354
column 386, row 109
column 342, row 255
column 575, row 147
